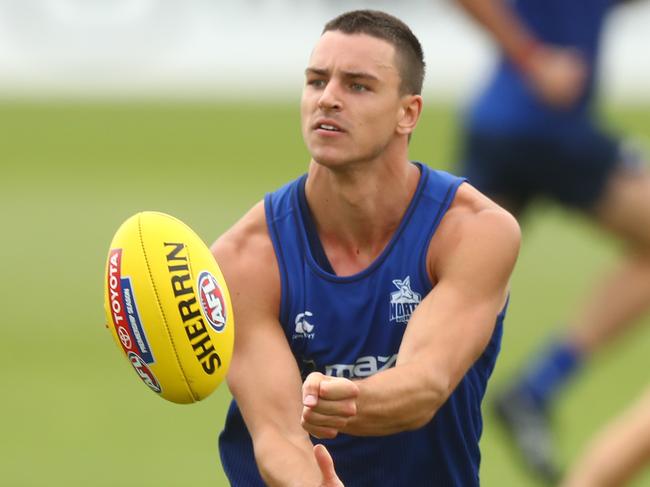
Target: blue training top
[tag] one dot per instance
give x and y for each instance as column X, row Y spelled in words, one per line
column 507, row 104
column 352, row 327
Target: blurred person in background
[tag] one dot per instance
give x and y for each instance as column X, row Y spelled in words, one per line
column 369, row 293
column 533, row 132
column 617, row 453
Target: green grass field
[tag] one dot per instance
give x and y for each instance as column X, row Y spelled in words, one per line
column 73, row 411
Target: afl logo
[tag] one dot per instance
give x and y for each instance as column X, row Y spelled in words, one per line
column 143, row 371
column 212, row 302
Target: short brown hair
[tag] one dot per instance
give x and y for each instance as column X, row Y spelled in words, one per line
column 409, row 55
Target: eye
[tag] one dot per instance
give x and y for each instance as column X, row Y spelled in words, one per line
column 316, row 82
column 358, row 87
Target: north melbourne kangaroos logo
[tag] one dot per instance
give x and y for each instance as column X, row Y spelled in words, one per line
column 304, row 329
column 404, row 301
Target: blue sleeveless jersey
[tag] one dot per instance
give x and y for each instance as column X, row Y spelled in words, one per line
column 352, row 327
column 507, row 104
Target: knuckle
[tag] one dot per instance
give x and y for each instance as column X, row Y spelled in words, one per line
column 341, row 423
column 307, row 415
column 351, row 410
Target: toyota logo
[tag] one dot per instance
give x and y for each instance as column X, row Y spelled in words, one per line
column 125, row 338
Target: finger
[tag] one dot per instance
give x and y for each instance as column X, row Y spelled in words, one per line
column 312, row 418
column 325, row 464
column 320, row 432
column 311, row 389
column 345, row 408
column 337, row 388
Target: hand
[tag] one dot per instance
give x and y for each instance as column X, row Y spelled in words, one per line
column 328, row 404
column 557, row 75
column 326, row 466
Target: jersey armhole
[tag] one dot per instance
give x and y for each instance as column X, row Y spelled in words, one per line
column 275, row 239
column 446, row 203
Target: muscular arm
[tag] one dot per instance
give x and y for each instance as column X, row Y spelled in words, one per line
column 501, row 22
column 263, row 375
column 556, row 74
column 475, row 254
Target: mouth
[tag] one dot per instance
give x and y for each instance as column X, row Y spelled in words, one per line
column 327, row 126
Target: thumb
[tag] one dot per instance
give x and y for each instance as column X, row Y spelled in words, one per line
column 326, row 466
column 311, row 389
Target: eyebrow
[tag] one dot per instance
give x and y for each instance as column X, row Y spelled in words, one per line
column 346, row 74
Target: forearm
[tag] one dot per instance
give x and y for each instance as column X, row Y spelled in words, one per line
column 498, row 19
column 284, row 461
column 402, row 398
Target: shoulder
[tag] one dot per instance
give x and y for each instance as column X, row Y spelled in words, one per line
column 475, row 230
column 246, row 255
column 248, row 234
column 472, row 211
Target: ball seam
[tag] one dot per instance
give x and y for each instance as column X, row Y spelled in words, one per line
column 162, row 312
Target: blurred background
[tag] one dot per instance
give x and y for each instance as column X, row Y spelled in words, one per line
column 110, row 107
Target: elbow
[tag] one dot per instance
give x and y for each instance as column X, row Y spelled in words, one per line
column 419, row 421
column 436, row 388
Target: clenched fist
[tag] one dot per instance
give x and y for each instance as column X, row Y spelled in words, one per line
column 328, row 404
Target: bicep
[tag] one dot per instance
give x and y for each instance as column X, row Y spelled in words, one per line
column 452, row 326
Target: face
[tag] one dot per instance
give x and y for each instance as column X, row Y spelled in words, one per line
column 351, row 106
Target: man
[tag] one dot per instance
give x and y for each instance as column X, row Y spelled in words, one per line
column 532, row 133
column 369, row 293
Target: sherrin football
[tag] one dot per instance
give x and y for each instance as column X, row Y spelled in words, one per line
column 168, row 307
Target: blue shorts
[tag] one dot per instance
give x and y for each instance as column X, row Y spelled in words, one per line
column 519, row 168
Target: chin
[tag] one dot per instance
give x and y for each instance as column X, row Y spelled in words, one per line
column 330, row 162
column 328, row 158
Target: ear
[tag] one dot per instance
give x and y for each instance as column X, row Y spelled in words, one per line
column 409, row 114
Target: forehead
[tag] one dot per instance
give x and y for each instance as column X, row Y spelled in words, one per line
column 353, row 52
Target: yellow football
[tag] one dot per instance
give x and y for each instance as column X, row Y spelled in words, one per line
column 168, row 307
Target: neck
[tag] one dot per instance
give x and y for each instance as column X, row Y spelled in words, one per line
column 357, row 209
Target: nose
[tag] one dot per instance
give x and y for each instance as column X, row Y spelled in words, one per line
column 330, row 97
